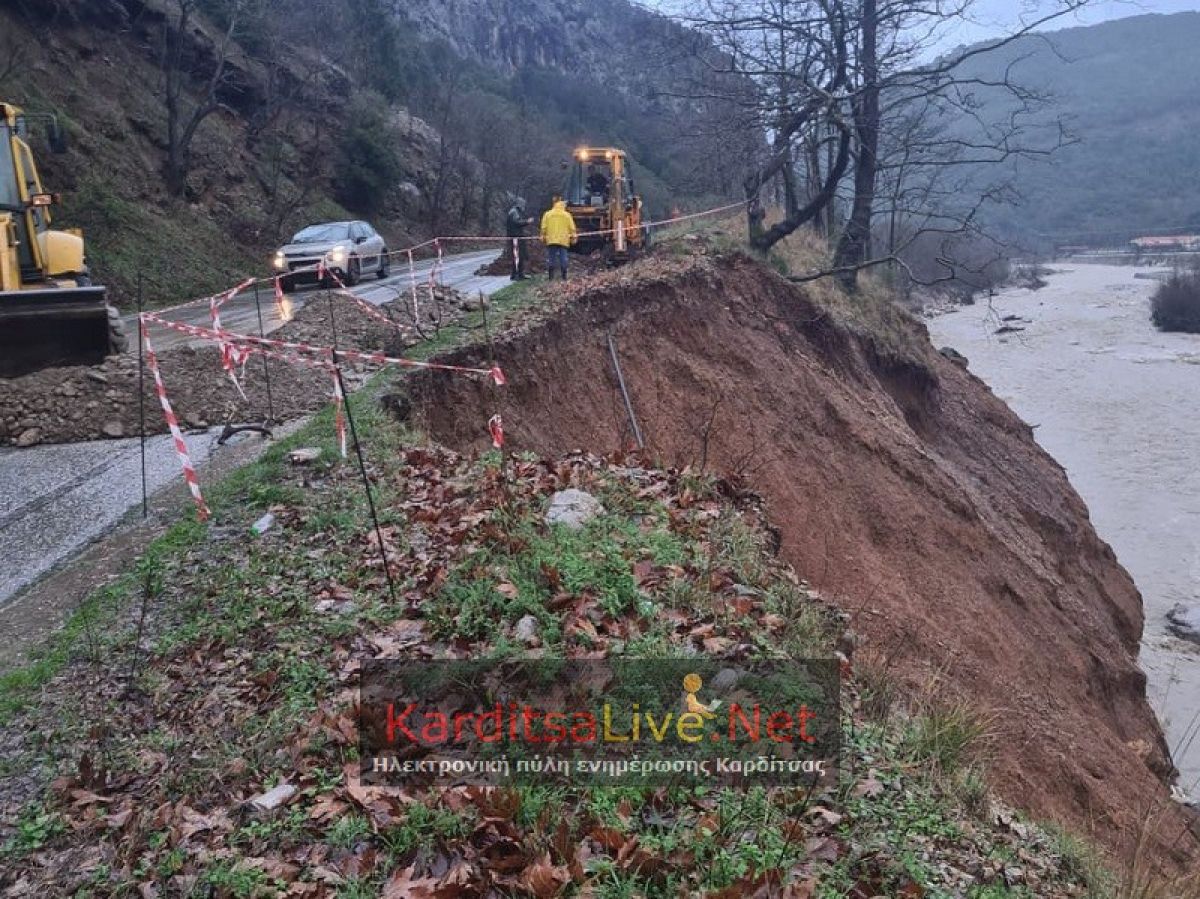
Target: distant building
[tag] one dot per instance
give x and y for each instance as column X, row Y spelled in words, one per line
column 1160, row 244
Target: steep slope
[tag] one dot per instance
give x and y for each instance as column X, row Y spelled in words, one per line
column 900, row 485
column 324, row 111
column 1126, row 89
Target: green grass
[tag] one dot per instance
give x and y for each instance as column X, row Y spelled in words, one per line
column 499, row 586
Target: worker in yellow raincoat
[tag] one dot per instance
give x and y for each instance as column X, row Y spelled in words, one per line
column 558, row 233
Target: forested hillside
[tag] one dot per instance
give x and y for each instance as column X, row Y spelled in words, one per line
column 1127, row 91
column 204, row 131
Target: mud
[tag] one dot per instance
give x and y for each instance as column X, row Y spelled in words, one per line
column 901, row 486
column 78, row 403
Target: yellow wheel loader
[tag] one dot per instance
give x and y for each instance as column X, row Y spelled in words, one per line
column 50, row 312
column 601, row 197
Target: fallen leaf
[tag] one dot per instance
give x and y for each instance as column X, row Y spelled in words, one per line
column 543, row 879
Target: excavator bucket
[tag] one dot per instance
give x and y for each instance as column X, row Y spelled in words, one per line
column 43, row 327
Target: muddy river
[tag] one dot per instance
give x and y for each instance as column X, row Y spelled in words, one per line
column 1117, row 403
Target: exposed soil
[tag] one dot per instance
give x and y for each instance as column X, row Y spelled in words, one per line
column 902, row 487
column 64, row 405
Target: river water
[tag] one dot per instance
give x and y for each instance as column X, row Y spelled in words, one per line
column 1117, row 403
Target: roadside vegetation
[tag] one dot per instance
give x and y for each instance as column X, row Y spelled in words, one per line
column 1175, row 305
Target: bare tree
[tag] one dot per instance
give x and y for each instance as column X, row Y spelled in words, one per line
column 184, row 60
column 848, row 81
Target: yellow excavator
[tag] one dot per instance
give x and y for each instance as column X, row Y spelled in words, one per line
column 50, row 312
column 601, row 198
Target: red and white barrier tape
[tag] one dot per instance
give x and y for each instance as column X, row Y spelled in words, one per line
column 181, row 450
column 435, row 271
column 412, row 280
column 339, row 413
column 496, row 429
column 232, row 358
column 369, row 309
column 325, row 353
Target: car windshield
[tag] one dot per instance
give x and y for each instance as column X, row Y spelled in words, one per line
column 320, row 233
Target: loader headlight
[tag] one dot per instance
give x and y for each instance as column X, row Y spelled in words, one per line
column 279, row 262
column 337, row 255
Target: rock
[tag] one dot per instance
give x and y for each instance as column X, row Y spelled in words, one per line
column 573, row 508
column 954, row 356
column 29, row 437
column 97, row 377
column 745, row 590
column 263, row 524
column 527, row 631
column 274, row 799
column 113, row 429
column 725, row 680
column 335, row 606
column 192, row 420
column 305, row 455
column 1184, row 621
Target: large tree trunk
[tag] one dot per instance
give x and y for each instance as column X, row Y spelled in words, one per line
column 854, row 247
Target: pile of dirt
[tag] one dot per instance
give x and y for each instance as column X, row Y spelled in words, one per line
column 901, row 486
column 535, row 264
column 75, row 403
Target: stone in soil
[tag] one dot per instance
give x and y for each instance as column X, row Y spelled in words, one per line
column 527, row 631
column 573, row 508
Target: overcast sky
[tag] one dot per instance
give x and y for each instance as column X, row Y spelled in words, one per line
column 991, row 18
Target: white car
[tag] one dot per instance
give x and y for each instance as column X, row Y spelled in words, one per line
column 348, row 249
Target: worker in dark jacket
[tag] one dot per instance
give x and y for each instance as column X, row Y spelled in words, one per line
column 515, row 227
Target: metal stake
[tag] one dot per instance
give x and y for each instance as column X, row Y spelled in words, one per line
column 362, row 468
column 637, row 432
column 142, row 394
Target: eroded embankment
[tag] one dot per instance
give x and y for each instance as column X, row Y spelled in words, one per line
column 901, row 485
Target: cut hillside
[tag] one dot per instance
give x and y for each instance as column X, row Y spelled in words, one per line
column 900, row 485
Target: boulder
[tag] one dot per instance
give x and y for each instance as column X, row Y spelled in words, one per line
column 527, row 631
column 573, row 508
column 273, row 800
column 29, row 437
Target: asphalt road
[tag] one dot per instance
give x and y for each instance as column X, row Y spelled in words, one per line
column 241, row 313
column 55, row 500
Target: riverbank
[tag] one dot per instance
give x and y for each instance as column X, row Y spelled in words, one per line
column 1113, row 400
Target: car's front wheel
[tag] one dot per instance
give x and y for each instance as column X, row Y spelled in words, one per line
column 353, row 271
column 385, row 263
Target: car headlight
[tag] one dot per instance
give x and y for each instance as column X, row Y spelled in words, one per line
column 279, row 262
column 337, row 255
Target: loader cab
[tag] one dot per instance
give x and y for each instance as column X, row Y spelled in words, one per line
column 23, row 202
column 601, row 197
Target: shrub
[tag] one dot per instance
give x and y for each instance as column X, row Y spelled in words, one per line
column 1175, row 306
